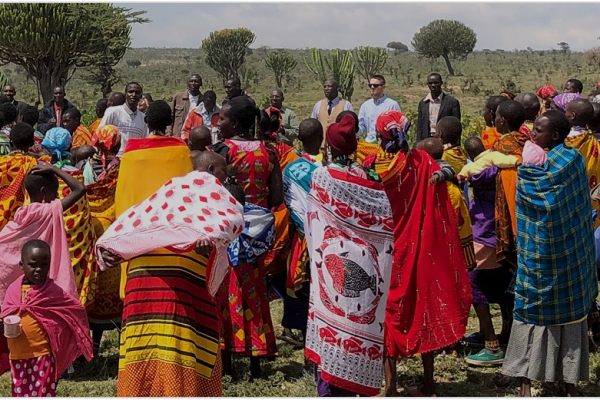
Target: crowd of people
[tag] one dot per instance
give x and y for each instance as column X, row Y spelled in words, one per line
column 178, row 224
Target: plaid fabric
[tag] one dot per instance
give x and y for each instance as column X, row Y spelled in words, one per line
column 556, row 276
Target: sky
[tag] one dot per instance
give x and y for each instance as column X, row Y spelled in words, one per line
column 506, row 25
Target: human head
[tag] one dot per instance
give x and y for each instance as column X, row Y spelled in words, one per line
column 310, row 133
column 58, row 95
column 474, row 147
column 9, row 91
column 269, row 124
column 101, row 106
column 341, row 137
column 58, row 142
column 21, row 136
column 211, row 162
column 276, row 98
column 82, row 152
column 431, row 146
column 194, row 84
column 594, row 97
column 449, row 130
column 237, row 116
column 71, row 119
column 434, row 83
column 158, row 116
column 531, row 103
column 210, row 100
column 489, row 112
column 115, row 99
column 42, row 188
column 547, row 93
column 331, row 89
column 133, row 94
column 10, row 113
column 510, row 115
column 107, row 139
column 594, row 124
column 233, row 88
column 35, row 261
column 30, row 116
column 573, row 86
column 559, row 103
column 392, row 129
column 579, row 112
column 200, row 138
column 550, row 129
column 145, row 101
column 377, row 86
column 348, row 112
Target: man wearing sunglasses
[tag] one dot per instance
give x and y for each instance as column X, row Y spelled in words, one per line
column 372, row 108
column 435, row 106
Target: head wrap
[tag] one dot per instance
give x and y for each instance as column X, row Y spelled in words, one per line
column 393, row 125
column 104, row 139
column 341, row 136
column 58, row 142
column 269, row 111
column 545, row 91
column 563, row 99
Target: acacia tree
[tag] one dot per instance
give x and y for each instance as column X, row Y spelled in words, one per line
column 446, row 39
column 370, row 60
column 51, row 40
column 226, row 50
column 398, row 47
column 280, row 63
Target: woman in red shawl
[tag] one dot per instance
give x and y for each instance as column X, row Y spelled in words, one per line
column 430, row 294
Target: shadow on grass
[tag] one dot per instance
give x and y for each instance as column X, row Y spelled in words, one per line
column 99, row 369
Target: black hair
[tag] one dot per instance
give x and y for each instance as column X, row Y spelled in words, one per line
column 594, row 123
column 585, row 111
column 348, row 112
column 494, row 101
column 118, row 98
column 531, row 102
column 2, row 120
column 244, row 111
column 21, row 136
column 34, row 183
column 452, row 129
column 158, row 115
column 379, row 78
column 210, row 94
column 433, row 147
column 435, row 74
column 134, row 83
column 474, row 147
column 235, row 81
column 202, row 159
column 31, row 116
column 269, row 123
column 73, row 112
column 10, row 113
column 310, row 130
column 148, row 97
column 558, row 123
column 34, row 244
column 513, row 112
column 4, row 99
column 102, row 103
column 577, row 85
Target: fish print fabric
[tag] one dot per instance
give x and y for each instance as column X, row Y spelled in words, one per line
column 349, row 228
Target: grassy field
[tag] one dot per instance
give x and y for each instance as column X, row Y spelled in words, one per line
column 284, row 378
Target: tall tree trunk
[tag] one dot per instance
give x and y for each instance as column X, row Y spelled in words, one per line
column 278, row 81
column 45, row 87
column 450, row 69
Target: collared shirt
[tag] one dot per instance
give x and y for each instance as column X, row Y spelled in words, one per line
column 334, row 102
column 194, row 100
column 434, row 110
column 130, row 123
column 369, row 111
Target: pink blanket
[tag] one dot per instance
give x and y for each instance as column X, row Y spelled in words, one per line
column 182, row 212
column 36, row 221
column 61, row 315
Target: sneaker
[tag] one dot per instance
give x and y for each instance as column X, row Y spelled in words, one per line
column 474, row 340
column 485, row 358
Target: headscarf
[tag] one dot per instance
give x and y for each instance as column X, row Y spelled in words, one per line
column 563, row 99
column 272, row 110
column 104, row 139
column 393, row 125
column 341, row 136
column 58, row 142
column 545, row 91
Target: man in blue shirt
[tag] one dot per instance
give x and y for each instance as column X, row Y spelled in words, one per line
column 370, row 109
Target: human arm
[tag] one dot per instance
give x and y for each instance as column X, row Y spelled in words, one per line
column 456, row 109
column 78, row 189
column 396, row 106
column 110, row 260
column 446, row 173
column 187, row 126
column 315, row 111
column 362, row 125
column 204, row 248
column 420, row 116
column 291, row 131
column 501, row 160
column 348, row 107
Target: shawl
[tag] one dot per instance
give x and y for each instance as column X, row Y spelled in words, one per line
column 182, row 212
column 350, row 242
column 256, row 238
column 81, row 136
column 556, row 278
column 286, row 154
column 545, row 91
column 276, row 257
column 94, row 125
column 465, row 230
column 372, row 156
column 489, row 136
column 456, row 157
column 563, row 100
column 61, row 316
column 430, row 292
column 43, row 221
column 296, row 185
column 13, row 170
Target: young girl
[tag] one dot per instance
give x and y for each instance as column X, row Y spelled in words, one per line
column 54, row 326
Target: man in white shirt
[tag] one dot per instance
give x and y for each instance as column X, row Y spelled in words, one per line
column 372, row 108
column 126, row 117
column 327, row 110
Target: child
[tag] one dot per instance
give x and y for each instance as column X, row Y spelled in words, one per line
column 449, row 130
column 213, row 163
column 483, row 158
column 435, row 149
column 54, row 326
column 199, row 139
column 490, row 134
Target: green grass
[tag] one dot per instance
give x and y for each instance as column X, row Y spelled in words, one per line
column 283, row 377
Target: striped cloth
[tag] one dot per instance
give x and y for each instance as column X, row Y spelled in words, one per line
column 556, row 275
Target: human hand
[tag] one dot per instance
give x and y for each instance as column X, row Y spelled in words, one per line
column 204, row 248
column 111, row 260
column 52, row 122
column 435, row 178
column 43, row 169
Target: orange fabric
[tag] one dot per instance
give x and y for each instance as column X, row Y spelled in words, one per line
column 13, row 169
column 194, row 119
column 488, row 136
column 275, row 259
column 509, row 183
column 80, row 137
column 286, row 154
column 94, row 125
column 33, row 341
column 372, row 156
